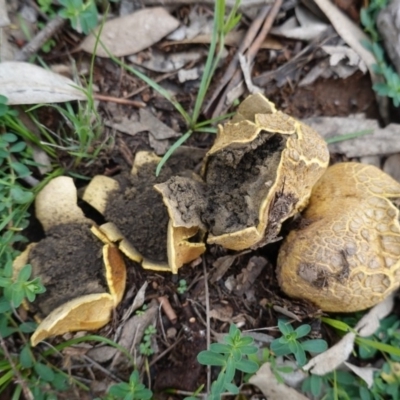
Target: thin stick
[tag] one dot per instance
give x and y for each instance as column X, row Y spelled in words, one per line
column 232, row 68
column 253, row 50
column 207, row 294
column 25, row 389
column 118, row 100
column 251, row 53
column 51, row 28
column 146, row 86
column 167, row 308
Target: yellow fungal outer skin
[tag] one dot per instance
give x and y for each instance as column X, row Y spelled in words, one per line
column 345, row 255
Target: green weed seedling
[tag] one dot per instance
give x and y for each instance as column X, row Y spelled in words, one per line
column 132, row 390
column 337, row 385
column 145, row 347
column 82, row 15
column 231, row 356
column 182, row 288
column 391, row 85
column 289, row 342
column 142, row 310
column 265, row 355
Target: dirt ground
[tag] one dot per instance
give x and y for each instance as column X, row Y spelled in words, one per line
column 242, row 287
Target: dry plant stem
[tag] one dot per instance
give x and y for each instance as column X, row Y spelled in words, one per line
column 250, row 54
column 301, row 58
column 144, row 87
column 207, row 294
column 25, row 389
column 51, row 28
column 102, row 369
column 165, row 352
column 118, row 100
column 253, row 50
column 232, row 68
column 167, row 308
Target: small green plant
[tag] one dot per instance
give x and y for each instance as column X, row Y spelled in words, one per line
column 222, row 26
column 337, row 385
column 391, row 85
column 19, row 288
column 133, row 390
column 182, row 288
column 289, row 342
column 82, row 15
column 145, row 346
column 231, row 356
column 142, row 310
column 265, row 356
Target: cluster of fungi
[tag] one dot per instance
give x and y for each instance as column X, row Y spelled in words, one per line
column 264, row 168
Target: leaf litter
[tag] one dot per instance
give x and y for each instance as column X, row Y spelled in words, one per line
column 236, row 262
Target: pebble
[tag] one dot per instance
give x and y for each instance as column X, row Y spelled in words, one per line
column 392, row 166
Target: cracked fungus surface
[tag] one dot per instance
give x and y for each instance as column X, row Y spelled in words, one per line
column 138, row 209
column 346, row 254
column 69, row 262
column 238, row 179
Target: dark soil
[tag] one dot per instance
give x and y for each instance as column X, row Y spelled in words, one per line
column 236, row 180
column 69, row 262
column 138, row 210
column 234, row 186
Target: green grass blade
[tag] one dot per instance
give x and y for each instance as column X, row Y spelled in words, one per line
column 207, row 73
column 340, row 325
column 170, row 151
column 207, row 130
column 386, row 348
column 349, row 136
column 214, row 120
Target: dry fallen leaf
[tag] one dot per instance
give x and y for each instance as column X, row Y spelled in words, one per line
column 266, row 381
column 4, row 20
column 305, row 26
column 159, row 130
column 332, row 358
column 24, row 83
column 370, row 322
column 378, row 141
column 336, row 355
column 166, row 62
column 130, row 34
column 365, row 373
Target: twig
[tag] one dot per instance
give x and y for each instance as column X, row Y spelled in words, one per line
column 250, row 55
column 118, row 100
column 167, row 308
column 232, row 68
column 101, row 368
column 166, row 351
column 51, row 28
column 207, row 295
column 25, row 389
column 144, row 87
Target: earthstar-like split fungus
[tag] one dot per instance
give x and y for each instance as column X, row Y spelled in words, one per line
column 345, row 255
column 259, row 172
column 84, row 279
column 138, row 220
